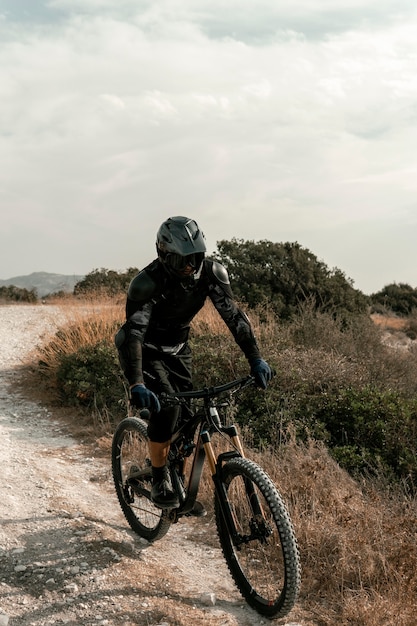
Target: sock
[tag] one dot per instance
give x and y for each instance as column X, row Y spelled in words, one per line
column 159, row 473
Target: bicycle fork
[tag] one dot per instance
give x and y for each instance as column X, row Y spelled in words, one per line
column 229, row 517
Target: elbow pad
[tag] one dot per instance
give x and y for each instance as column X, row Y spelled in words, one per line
column 129, row 349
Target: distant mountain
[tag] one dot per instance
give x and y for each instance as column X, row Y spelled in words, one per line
column 44, row 282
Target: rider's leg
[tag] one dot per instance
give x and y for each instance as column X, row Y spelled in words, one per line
column 165, row 373
column 162, row 493
column 159, row 453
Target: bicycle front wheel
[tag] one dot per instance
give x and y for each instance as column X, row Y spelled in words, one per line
column 262, row 555
column 132, row 475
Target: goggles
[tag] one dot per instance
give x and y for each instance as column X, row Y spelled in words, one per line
column 178, row 262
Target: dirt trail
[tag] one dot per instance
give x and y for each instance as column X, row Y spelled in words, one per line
column 67, row 555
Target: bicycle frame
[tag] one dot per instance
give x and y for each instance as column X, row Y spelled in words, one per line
column 208, row 418
column 203, row 450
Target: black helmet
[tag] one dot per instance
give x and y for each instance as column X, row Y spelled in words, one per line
column 180, row 245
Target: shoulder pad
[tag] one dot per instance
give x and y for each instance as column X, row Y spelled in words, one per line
column 220, row 273
column 142, row 287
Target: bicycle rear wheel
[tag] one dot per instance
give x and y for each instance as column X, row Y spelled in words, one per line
column 263, row 558
column 132, row 477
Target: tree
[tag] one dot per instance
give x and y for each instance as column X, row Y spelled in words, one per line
column 400, row 298
column 285, row 275
column 105, row 282
column 18, row 294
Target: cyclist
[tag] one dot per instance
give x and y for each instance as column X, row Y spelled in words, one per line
column 153, row 347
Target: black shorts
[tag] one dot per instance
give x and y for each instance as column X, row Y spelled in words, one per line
column 166, row 373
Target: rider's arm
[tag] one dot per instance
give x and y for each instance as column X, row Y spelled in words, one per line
column 129, row 338
column 220, row 293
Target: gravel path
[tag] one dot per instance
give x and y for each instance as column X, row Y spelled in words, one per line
column 67, row 555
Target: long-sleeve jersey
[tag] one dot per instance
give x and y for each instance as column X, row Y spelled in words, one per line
column 160, row 308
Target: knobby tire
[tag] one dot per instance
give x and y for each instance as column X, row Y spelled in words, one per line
column 265, row 564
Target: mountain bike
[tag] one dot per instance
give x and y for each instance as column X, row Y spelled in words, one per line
column 253, row 524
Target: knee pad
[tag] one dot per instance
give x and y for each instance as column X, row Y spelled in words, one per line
column 162, row 425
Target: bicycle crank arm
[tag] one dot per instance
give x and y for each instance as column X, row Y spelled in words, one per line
column 138, row 488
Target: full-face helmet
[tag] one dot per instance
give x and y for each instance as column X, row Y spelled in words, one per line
column 181, row 246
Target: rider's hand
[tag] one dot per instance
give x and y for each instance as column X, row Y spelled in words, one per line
column 261, row 372
column 143, row 398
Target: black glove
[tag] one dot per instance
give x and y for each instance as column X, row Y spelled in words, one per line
column 261, row 372
column 143, row 398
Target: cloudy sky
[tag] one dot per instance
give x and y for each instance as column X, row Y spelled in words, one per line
column 290, row 121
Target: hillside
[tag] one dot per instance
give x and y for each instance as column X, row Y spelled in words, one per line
column 45, row 283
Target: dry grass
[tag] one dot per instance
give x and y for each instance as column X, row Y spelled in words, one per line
column 82, row 323
column 387, row 322
column 357, row 542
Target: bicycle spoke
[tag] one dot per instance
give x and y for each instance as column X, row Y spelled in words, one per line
column 260, row 552
column 132, row 478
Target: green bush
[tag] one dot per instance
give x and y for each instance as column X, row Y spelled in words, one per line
column 104, row 282
column 90, row 378
column 371, row 428
column 216, row 359
column 399, row 298
column 18, row 294
column 335, row 381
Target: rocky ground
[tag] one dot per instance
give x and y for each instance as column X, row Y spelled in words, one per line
column 67, row 555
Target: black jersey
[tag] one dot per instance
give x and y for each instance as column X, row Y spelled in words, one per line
column 160, row 308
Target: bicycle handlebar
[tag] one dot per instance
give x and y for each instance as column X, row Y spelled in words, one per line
column 210, row 392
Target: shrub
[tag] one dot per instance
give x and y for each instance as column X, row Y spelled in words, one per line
column 80, row 365
column 103, row 282
column 335, row 381
column 90, row 378
column 11, row 293
column 399, row 298
column 370, row 429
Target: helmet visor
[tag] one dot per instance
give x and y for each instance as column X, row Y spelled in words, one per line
column 179, row 262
